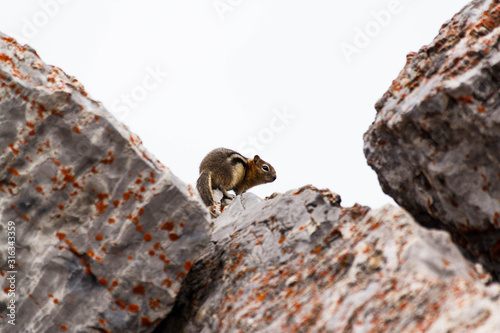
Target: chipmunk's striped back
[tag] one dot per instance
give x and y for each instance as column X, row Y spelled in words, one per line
column 226, row 170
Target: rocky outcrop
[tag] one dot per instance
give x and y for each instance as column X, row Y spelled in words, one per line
column 106, row 239
column 435, row 142
column 299, row 262
column 104, row 234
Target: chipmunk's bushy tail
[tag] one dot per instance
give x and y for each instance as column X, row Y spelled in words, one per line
column 204, row 186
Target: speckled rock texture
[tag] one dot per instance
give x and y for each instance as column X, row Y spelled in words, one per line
column 435, row 142
column 299, row 262
column 105, row 234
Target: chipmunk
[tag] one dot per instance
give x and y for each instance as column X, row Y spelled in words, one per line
column 226, row 170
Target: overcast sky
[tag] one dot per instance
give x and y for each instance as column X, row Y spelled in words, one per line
column 293, row 81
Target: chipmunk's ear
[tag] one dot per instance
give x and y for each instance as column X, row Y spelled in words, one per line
column 256, row 158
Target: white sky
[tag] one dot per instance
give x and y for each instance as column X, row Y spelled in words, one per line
column 225, row 69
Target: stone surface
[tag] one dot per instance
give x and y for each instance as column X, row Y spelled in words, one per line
column 299, row 262
column 105, row 234
column 435, row 142
column 108, row 240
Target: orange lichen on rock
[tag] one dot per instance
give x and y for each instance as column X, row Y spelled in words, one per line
column 139, row 290
column 167, row 283
column 145, row 321
column 133, row 308
column 121, row 304
column 60, row 235
column 155, row 304
column 188, row 265
column 101, row 206
column 13, row 171
column 68, row 176
column 14, row 150
column 168, row 226
column 109, row 159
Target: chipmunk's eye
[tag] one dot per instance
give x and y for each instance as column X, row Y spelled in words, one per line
column 265, row 168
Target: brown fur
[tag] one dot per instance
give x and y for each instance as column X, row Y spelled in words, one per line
column 227, row 170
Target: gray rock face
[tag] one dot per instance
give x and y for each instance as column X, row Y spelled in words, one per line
column 435, row 142
column 108, row 240
column 300, row 262
column 104, row 234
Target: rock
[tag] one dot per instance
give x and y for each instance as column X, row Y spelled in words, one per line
column 108, row 240
column 104, row 233
column 435, row 142
column 299, row 262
